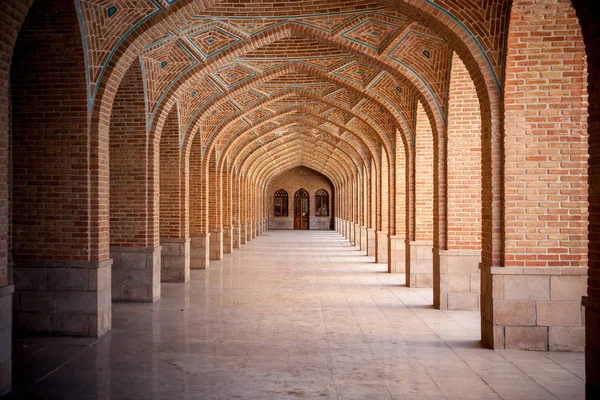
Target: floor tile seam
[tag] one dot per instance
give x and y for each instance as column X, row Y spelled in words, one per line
column 566, row 369
column 525, row 373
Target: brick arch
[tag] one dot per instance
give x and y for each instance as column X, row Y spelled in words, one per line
column 287, row 30
column 282, row 70
column 364, row 143
column 490, row 98
column 295, row 162
column 213, row 140
column 237, row 148
column 265, row 163
column 244, row 154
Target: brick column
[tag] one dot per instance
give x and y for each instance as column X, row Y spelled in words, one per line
column 456, row 267
column 215, row 208
column 59, row 199
column 533, row 300
column 419, row 267
column 587, row 13
column 174, row 205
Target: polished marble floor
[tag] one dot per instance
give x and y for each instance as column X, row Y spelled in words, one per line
column 292, row 315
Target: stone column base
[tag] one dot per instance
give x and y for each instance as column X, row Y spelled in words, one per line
column 396, row 254
column 199, row 255
column 456, row 282
column 356, row 230
column 371, row 242
column 227, row 240
column 350, row 232
column 63, row 297
column 343, row 228
column 382, row 248
column 6, row 314
column 249, row 232
column 175, row 263
column 419, row 265
column 236, row 241
column 592, row 347
column 243, row 234
column 215, row 245
column 364, row 240
column 136, row 273
column 533, row 308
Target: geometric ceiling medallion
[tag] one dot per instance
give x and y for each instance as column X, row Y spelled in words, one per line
column 213, row 40
column 233, row 75
column 372, row 33
column 357, row 72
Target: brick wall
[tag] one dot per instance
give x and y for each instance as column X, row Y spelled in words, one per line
column 423, row 177
column 464, row 161
column 172, row 185
column 133, row 168
column 51, row 214
column 545, row 137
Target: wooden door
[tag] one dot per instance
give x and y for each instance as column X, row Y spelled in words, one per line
column 301, row 209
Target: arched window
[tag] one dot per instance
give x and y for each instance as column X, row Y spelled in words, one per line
column 281, row 203
column 322, row 203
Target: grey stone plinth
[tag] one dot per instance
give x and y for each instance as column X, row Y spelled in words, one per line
column 63, row 297
column 243, row 234
column 382, row 248
column 456, row 279
column 199, row 251
column 236, row 236
column 534, row 308
column 227, row 239
column 175, row 264
column 419, row 266
column 396, row 254
column 371, row 242
column 216, row 245
column 136, row 273
column 6, row 324
column 364, row 240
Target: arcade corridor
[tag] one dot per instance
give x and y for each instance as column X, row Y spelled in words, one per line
column 292, row 315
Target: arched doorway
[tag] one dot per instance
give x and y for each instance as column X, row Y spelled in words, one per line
column 301, row 209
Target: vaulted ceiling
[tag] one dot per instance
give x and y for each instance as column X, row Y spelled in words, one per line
column 344, row 76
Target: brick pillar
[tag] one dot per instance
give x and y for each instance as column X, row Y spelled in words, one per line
column 419, row 267
column 382, row 233
column 396, row 240
column 456, row 267
column 198, row 203
column 215, row 208
column 60, row 244
column 587, row 13
column 134, row 195
column 236, row 233
column 227, row 213
column 174, row 205
column 533, row 301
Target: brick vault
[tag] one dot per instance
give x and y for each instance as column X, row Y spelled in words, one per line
column 454, row 141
